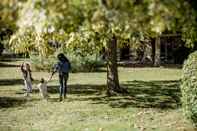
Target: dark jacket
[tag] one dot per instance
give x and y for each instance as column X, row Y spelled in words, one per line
column 62, row 67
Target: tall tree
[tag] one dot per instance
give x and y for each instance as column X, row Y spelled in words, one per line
column 91, row 25
column 8, row 18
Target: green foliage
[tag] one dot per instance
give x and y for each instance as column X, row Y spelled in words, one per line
column 132, row 22
column 27, row 40
column 84, row 42
column 189, row 88
column 79, row 63
column 42, row 64
column 23, row 41
column 88, row 63
column 8, row 18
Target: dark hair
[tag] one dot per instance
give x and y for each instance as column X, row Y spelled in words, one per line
column 42, row 80
column 61, row 57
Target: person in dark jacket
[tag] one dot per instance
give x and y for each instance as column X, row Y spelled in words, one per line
column 62, row 67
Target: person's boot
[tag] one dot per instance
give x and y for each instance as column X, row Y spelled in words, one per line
column 65, row 96
column 60, row 98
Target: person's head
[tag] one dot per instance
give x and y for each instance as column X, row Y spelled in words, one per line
column 62, row 57
column 42, row 80
column 26, row 66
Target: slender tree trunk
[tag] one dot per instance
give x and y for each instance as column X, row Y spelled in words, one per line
column 147, row 56
column 157, row 61
column 112, row 68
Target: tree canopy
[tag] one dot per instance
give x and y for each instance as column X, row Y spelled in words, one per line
column 94, row 22
column 88, row 26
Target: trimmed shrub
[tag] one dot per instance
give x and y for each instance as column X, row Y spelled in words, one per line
column 189, row 88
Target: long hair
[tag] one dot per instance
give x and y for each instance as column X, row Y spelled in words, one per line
column 61, row 57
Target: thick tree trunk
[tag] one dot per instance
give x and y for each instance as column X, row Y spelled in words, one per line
column 112, row 68
column 157, row 61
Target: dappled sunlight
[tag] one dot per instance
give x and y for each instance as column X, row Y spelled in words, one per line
column 148, row 97
column 142, row 94
column 97, row 65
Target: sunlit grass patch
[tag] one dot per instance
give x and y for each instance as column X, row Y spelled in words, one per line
column 153, row 103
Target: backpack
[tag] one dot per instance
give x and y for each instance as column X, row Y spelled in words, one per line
column 64, row 67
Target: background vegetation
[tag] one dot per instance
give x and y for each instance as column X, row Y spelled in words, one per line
column 85, row 31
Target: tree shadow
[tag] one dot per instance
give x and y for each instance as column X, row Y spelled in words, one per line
column 6, row 82
column 53, row 99
column 172, row 66
column 142, row 94
column 79, row 89
column 8, row 102
column 100, row 69
column 152, row 94
column 34, row 91
column 139, row 64
column 2, row 64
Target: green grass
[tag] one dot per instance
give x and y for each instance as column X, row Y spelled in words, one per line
column 153, row 103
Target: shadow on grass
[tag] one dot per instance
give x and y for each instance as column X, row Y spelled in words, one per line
column 53, row 99
column 79, row 89
column 142, row 94
column 8, row 102
column 2, row 64
column 34, row 91
column 129, row 64
column 5, row 82
column 153, row 94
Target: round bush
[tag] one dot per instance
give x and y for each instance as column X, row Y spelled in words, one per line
column 189, row 88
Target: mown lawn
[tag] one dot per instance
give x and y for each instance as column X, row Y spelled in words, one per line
column 153, row 103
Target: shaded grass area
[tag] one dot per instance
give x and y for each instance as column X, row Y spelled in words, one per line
column 153, row 102
column 3, row 64
column 13, row 102
column 142, row 94
column 155, row 94
column 6, row 102
column 4, row 82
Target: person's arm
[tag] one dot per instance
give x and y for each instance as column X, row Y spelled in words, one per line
column 51, row 76
column 24, row 73
column 55, row 68
column 69, row 65
column 31, row 76
column 53, row 73
column 22, row 67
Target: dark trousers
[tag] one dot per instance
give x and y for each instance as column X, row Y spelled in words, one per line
column 63, row 84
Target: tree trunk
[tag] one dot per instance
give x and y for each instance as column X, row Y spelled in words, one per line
column 157, row 61
column 112, row 68
column 147, row 56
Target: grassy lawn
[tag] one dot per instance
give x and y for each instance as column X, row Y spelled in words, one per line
column 152, row 105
